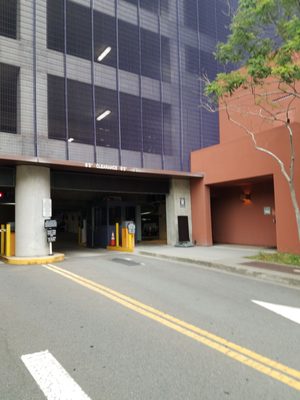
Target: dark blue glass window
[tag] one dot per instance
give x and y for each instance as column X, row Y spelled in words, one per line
column 207, row 17
column 105, row 38
column 129, row 59
column 152, row 126
column 8, row 98
column 55, row 25
column 150, row 54
column 80, row 116
column 165, row 59
column 8, row 18
column 164, row 6
column 190, row 14
column 107, row 134
column 208, row 64
column 167, row 126
column 150, row 5
column 56, row 108
column 223, row 19
column 130, row 122
column 135, row 2
column 192, row 60
column 79, row 33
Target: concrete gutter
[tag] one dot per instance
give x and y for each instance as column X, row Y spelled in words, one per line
column 231, row 267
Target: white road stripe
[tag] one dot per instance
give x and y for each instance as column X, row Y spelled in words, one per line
column 292, row 313
column 52, row 378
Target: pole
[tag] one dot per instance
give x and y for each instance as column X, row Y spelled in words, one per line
column 7, row 242
column 2, row 239
column 117, row 234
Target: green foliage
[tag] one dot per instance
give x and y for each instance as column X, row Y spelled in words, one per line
column 278, row 258
column 264, row 38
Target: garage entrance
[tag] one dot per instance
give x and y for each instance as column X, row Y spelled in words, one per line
column 87, row 207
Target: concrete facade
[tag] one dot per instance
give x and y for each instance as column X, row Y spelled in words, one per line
column 178, row 203
column 32, row 187
column 185, row 36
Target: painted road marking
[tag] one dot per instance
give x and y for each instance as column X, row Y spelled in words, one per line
column 52, row 378
column 274, row 369
column 292, row 313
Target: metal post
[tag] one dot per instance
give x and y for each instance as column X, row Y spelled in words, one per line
column 7, row 241
column 50, row 249
column 2, row 239
column 117, row 235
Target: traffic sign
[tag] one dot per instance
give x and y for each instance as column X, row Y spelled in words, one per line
column 50, row 223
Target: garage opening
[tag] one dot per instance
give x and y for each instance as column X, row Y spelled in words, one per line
column 87, row 212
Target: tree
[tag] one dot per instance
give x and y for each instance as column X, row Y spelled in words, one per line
column 265, row 40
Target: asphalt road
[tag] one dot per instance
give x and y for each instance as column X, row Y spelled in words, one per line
column 115, row 347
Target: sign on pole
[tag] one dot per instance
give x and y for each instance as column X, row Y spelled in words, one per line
column 47, row 208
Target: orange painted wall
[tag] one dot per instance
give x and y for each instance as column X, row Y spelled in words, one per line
column 242, row 223
column 235, row 158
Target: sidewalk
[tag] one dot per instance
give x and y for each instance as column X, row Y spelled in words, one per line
column 228, row 258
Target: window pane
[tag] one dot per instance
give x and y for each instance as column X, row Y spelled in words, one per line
column 167, row 109
column 130, row 122
column 80, row 116
column 207, row 17
column 56, row 108
column 164, row 6
column 190, row 14
column 152, row 128
column 129, row 47
column 192, row 60
column 105, row 37
column 135, row 2
column 8, row 98
column 150, row 5
column 55, row 25
column 150, row 54
column 107, row 128
column 208, row 65
column 166, row 61
column 79, row 33
column 8, row 18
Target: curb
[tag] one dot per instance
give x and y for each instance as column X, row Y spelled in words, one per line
column 278, row 277
column 33, row 260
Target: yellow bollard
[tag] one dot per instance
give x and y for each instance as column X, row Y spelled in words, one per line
column 124, row 237
column 117, row 234
column 131, row 241
column 7, row 241
column 2, row 238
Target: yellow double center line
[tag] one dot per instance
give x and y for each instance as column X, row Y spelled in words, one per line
column 278, row 371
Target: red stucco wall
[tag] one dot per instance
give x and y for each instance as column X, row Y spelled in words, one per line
column 236, row 159
column 243, row 222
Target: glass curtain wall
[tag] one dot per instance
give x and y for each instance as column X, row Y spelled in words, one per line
column 118, row 83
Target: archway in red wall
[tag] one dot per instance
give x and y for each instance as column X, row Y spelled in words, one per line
column 243, row 212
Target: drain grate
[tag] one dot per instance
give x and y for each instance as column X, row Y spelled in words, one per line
column 125, row 261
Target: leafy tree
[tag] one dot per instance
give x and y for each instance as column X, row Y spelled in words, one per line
column 265, row 40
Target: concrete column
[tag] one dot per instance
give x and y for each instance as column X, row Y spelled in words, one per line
column 178, row 202
column 162, row 222
column 201, row 212
column 138, row 222
column 32, row 186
